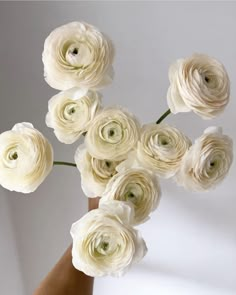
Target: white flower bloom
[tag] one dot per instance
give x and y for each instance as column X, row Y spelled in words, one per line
column 95, row 173
column 199, row 84
column 104, row 242
column 77, row 55
column 137, row 186
column 207, row 162
column 161, row 148
column 26, row 158
column 71, row 112
column 112, row 134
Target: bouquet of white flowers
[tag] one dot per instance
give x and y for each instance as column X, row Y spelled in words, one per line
column 120, row 160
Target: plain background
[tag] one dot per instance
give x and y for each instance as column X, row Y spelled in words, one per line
column 191, row 237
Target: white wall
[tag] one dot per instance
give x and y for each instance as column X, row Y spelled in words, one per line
column 10, row 272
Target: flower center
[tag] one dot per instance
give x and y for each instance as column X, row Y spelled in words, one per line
column 70, row 111
column 209, row 79
column 13, row 155
column 104, row 245
column 104, row 168
column 75, row 51
column 79, row 55
column 112, row 132
column 108, row 164
column 213, row 165
column 163, row 140
column 133, row 192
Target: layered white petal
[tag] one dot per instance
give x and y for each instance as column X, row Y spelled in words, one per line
column 207, row 162
column 78, row 55
column 161, row 149
column 104, row 242
column 200, row 84
column 95, row 173
column 137, row 186
column 71, row 112
column 26, row 158
column 112, row 134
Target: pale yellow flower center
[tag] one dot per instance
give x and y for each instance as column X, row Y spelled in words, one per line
column 10, row 157
column 133, row 192
column 213, row 165
column 79, row 55
column 70, row 110
column 112, row 132
column 163, row 140
column 75, row 112
column 209, row 79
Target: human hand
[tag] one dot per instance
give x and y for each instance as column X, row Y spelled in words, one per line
column 93, row 203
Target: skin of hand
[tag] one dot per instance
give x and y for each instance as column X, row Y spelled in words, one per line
column 64, row 279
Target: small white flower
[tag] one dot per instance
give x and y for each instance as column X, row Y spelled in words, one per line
column 207, row 162
column 137, row 186
column 71, row 112
column 104, row 242
column 95, row 173
column 112, row 134
column 161, row 148
column 200, row 84
column 26, row 158
column 77, row 55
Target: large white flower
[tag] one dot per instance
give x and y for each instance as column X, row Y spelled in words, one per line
column 95, row 173
column 77, row 55
column 207, row 162
column 104, row 242
column 112, row 134
column 26, row 158
column 137, row 186
column 71, row 112
column 199, row 84
column 161, row 148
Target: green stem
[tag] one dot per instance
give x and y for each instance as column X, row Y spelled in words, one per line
column 163, row 116
column 64, row 163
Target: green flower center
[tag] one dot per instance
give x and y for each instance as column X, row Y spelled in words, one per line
column 111, row 132
column 163, row 140
column 103, row 245
column 213, row 165
column 13, row 155
column 70, row 111
column 133, row 193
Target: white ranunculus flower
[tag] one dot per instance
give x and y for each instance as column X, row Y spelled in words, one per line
column 207, row 162
column 200, row 84
column 78, row 55
column 161, row 148
column 95, row 173
column 112, row 135
column 104, row 242
column 138, row 186
column 71, row 112
column 26, row 158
